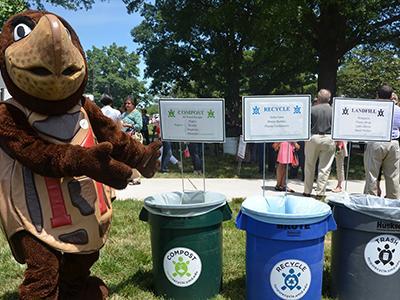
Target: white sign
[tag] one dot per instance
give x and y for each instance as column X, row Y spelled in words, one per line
column 362, row 119
column 276, row 118
column 241, row 152
column 382, row 254
column 290, row 279
column 192, row 120
column 182, row 266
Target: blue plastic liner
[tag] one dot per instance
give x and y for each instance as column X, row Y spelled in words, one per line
column 286, row 209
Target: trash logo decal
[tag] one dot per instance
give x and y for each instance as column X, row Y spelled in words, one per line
column 290, row 279
column 382, row 254
column 182, row 266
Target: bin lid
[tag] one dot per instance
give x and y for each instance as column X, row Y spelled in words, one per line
column 184, row 204
column 381, row 208
column 286, row 210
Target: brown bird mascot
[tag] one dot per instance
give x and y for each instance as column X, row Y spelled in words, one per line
column 58, row 157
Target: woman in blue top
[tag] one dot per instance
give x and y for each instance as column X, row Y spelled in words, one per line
column 132, row 118
column 131, row 121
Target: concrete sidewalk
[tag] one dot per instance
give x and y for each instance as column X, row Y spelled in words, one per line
column 230, row 187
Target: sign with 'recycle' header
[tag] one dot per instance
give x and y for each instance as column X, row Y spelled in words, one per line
column 192, row 120
column 362, row 119
column 276, row 118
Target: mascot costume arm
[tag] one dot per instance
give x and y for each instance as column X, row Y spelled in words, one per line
column 127, row 149
column 23, row 144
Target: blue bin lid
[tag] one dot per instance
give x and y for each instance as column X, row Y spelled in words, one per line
column 184, row 204
column 286, row 210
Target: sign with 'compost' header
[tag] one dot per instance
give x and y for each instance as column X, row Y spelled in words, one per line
column 362, row 119
column 276, row 118
column 192, row 120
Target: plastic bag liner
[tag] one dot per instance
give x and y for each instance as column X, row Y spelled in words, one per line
column 187, row 204
column 289, row 210
column 381, row 208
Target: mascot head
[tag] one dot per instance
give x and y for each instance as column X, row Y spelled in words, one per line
column 42, row 62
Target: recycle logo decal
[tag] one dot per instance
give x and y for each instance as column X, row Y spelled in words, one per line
column 290, row 279
column 182, row 266
column 382, row 254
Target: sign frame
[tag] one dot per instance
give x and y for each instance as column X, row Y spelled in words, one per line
column 222, row 103
column 335, row 136
column 277, row 139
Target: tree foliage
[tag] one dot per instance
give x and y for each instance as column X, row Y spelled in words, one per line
column 113, row 70
column 11, row 7
column 366, row 69
column 231, row 48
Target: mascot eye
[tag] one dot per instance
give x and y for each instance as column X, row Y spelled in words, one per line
column 20, row 31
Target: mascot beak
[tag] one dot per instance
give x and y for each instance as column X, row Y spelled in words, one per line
column 44, row 62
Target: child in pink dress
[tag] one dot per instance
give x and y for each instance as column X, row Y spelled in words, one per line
column 282, row 162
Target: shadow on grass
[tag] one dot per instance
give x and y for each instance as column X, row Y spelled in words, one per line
column 142, row 279
column 326, row 283
column 234, row 289
column 10, row 296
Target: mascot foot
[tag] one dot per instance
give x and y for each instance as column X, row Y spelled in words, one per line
column 95, row 289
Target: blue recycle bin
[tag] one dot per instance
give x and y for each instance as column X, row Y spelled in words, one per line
column 284, row 246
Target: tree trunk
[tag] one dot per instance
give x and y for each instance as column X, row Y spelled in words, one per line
column 327, row 69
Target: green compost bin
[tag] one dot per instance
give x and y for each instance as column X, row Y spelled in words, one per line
column 186, row 242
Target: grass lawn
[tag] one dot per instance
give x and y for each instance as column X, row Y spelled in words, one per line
column 125, row 262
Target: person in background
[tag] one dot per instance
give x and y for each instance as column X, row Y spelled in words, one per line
column 286, row 156
column 145, row 127
column 108, row 110
column 131, row 121
column 131, row 118
column 340, row 154
column 321, row 146
column 195, row 154
column 384, row 157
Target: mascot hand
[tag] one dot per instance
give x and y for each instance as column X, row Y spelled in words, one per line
column 149, row 163
column 99, row 166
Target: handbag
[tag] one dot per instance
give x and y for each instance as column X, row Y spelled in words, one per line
column 295, row 161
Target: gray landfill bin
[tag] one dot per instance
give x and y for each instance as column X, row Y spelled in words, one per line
column 365, row 247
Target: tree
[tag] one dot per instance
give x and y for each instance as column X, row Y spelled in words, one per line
column 334, row 27
column 114, row 71
column 366, row 69
column 196, row 47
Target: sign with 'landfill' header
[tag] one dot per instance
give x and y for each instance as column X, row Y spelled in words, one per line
column 276, row 118
column 362, row 119
column 192, row 120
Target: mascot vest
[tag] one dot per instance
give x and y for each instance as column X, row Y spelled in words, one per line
column 69, row 214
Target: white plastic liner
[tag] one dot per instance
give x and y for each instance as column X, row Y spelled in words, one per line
column 381, row 208
column 289, row 210
column 184, row 204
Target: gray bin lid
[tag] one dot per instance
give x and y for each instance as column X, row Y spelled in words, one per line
column 380, row 208
column 184, row 204
column 286, row 210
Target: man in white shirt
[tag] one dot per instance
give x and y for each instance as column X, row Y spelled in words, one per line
column 107, row 110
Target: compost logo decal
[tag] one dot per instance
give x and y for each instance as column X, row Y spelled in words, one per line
column 382, row 254
column 182, row 266
column 290, row 279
